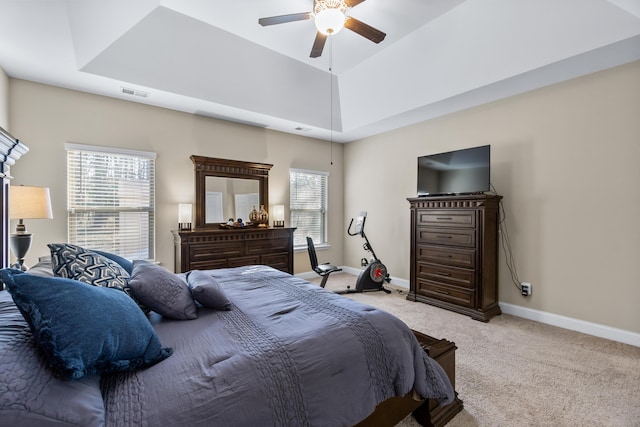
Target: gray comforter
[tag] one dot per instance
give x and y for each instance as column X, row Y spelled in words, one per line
column 288, row 353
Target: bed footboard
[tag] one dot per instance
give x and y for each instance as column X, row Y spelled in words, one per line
column 427, row 413
column 443, row 352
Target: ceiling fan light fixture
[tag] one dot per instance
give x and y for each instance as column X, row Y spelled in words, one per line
column 330, row 16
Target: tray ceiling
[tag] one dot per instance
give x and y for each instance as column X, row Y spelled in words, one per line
column 214, row 59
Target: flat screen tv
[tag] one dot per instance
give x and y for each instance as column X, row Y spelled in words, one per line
column 464, row 171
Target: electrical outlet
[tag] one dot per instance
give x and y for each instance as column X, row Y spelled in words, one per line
column 525, row 289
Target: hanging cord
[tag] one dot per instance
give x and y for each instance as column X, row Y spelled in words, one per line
column 506, row 244
column 331, row 97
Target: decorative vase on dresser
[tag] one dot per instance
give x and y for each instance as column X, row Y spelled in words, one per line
column 454, row 253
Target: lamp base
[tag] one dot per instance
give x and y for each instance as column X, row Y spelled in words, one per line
column 20, row 244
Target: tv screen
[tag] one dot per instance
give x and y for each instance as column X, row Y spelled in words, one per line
column 455, row 172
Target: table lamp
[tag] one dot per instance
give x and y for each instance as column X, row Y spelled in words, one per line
column 278, row 215
column 184, row 216
column 26, row 203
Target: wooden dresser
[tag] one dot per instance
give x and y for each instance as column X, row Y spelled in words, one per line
column 210, row 249
column 454, row 253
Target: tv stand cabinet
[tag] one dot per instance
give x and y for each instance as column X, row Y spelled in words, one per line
column 454, row 253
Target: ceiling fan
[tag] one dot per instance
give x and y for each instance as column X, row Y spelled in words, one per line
column 330, row 17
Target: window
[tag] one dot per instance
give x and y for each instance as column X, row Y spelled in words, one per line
column 111, row 200
column 308, row 200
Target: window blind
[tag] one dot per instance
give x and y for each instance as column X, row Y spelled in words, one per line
column 308, row 206
column 111, row 200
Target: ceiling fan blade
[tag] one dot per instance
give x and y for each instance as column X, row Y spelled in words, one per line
column 274, row 20
column 352, row 3
column 366, row 31
column 318, row 45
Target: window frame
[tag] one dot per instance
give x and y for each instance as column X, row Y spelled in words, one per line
column 302, row 245
column 73, row 149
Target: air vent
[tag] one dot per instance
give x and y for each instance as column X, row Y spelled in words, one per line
column 134, row 92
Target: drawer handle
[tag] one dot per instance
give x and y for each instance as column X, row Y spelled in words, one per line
column 441, row 292
column 443, row 237
column 439, row 273
column 442, row 218
column 444, row 256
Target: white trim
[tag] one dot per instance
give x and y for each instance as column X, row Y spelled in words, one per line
column 309, row 171
column 83, row 147
column 318, row 247
column 590, row 328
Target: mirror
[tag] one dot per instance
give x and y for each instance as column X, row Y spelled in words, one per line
column 228, row 189
column 230, row 198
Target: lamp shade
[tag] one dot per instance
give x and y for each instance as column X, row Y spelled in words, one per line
column 29, row 203
column 277, row 214
column 184, row 212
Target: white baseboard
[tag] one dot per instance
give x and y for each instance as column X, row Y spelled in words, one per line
column 590, row 328
column 577, row 325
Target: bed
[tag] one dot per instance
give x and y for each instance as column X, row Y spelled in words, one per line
column 276, row 350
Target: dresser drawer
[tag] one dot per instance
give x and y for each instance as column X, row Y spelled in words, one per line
column 211, row 251
column 208, row 264
column 242, row 261
column 262, row 246
column 449, row 256
column 447, row 218
column 277, row 260
column 452, row 294
column 445, row 236
column 446, row 275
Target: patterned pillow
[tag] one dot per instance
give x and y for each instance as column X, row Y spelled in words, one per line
column 121, row 261
column 75, row 262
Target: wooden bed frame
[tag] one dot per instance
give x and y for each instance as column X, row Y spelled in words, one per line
column 427, row 413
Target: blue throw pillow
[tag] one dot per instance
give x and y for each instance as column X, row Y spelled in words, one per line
column 84, row 330
column 207, row 291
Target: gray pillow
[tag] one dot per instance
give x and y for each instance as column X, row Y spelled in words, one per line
column 43, row 268
column 162, row 291
column 207, row 291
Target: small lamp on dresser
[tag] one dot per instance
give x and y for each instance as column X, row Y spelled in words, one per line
column 184, row 216
column 278, row 215
column 26, row 203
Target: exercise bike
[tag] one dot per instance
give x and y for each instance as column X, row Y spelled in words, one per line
column 374, row 275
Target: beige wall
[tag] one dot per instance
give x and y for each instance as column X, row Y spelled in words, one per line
column 45, row 118
column 565, row 158
column 4, row 100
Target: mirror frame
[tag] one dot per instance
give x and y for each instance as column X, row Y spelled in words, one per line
column 224, row 168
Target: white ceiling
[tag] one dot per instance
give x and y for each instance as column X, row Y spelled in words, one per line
column 213, row 58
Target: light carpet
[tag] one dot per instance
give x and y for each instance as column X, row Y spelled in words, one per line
column 517, row 372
